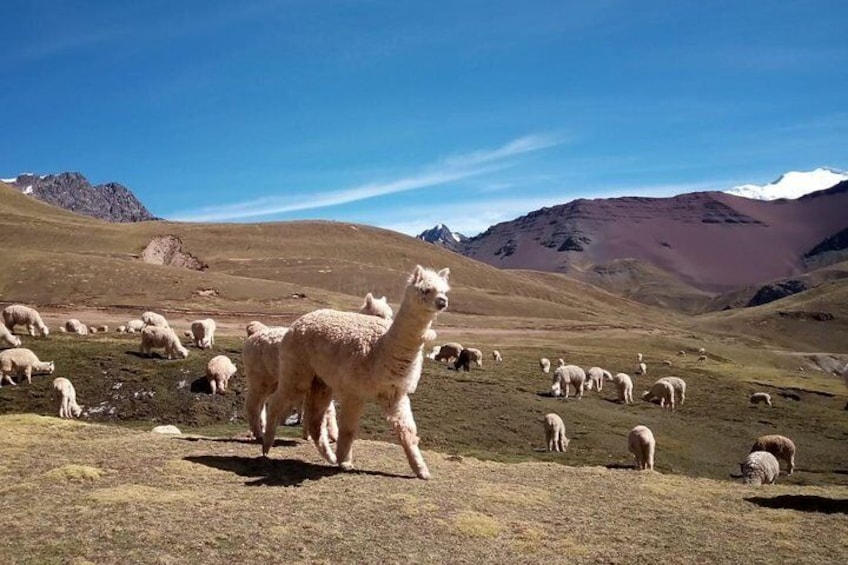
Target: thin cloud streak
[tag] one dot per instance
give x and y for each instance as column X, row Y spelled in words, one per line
column 449, row 170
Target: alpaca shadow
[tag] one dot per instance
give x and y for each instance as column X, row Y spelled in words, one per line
column 803, row 503
column 153, row 355
column 628, row 466
column 201, row 385
column 275, row 472
column 278, row 442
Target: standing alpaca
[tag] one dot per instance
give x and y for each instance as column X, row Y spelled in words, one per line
column 355, row 358
column 555, row 433
column 66, row 398
column 641, row 443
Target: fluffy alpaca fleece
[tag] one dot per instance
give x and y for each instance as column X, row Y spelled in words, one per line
column 624, row 387
column 781, row 447
column 641, row 443
column 18, row 314
column 555, row 433
column 567, row 376
column 7, row 337
column 157, row 336
column 261, row 359
column 66, row 398
column 759, row 467
column 219, row 370
column 74, row 326
column 203, row 333
column 21, row 361
column 496, row 356
column 595, row 378
column 356, row 358
column 153, row 319
column 545, row 365
column 663, row 391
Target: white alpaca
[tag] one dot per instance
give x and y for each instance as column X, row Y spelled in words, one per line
column 8, row 338
column 641, row 443
column 663, row 391
column 376, row 307
column 153, row 319
column 624, row 387
column 356, row 358
column 679, row 386
column 66, row 398
column 20, row 361
column 496, row 356
column 74, row 326
column 759, row 467
column 555, row 433
column 261, row 358
column 595, row 378
column 255, row 327
column 639, row 357
column 759, row 397
column 203, row 333
column 18, row 314
column 641, row 369
column 219, row 370
column 157, row 336
column 545, row 365
column 567, row 376
column 134, row 326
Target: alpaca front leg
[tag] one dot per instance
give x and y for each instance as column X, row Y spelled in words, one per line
column 399, row 415
column 278, row 405
column 351, row 411
column 254, row 406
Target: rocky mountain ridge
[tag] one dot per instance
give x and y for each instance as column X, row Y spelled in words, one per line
column 111, row 201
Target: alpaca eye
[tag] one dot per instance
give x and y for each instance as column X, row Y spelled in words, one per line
column 428, row 292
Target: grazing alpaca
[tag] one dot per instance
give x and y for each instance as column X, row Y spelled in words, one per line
column 354, row 358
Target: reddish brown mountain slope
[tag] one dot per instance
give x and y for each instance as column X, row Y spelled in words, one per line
column 710, row 240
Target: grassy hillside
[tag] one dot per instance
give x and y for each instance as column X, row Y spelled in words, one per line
column 107, row 495
column 55, row 257
column 495, row 412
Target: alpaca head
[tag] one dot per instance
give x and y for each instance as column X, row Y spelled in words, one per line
column 428, row 289
column 376, row 307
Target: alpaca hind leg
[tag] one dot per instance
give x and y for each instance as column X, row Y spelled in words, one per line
column 399, row 415
column 350, row 413
column 317, row 401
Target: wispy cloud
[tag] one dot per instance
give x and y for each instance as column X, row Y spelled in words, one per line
column 448, row 170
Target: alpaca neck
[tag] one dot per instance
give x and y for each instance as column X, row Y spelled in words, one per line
column 406, row 334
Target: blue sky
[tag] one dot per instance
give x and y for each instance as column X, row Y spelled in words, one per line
column 404, row 115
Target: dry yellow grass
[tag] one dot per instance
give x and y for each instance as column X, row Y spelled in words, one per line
column 169, row 500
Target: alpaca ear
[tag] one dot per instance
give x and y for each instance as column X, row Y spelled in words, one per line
column 369, row 299
column 444, row 273
column 417, row 273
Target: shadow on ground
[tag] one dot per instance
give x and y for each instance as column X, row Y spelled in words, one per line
column 275, row 472
column 803, row 503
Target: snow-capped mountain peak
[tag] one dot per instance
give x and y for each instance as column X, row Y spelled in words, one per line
column 442, row 235
column 793, row 184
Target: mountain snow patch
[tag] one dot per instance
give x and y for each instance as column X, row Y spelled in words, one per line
column 793, row 184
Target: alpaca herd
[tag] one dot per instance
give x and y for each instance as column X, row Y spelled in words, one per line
column 329, row 356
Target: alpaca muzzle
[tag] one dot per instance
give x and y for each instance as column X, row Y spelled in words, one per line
column 441, row 302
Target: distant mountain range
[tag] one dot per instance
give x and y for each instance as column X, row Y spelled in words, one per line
column 686, row 247
column 112, row 202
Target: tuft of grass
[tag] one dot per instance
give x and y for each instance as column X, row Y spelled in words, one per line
column 75, row 473
column 477, row 525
